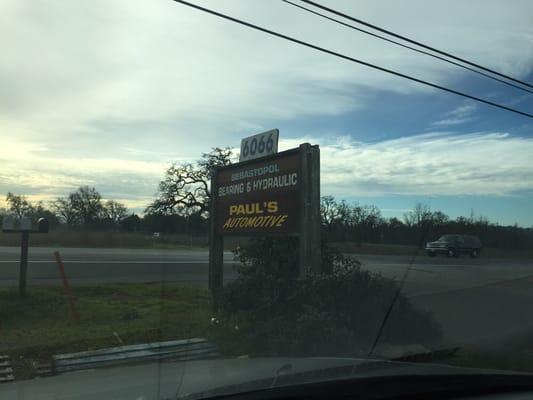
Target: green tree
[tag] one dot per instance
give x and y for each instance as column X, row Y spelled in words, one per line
column 364, row 220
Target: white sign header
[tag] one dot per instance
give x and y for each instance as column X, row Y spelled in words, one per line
column 261, row 145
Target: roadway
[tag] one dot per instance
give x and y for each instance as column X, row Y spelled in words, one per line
column 474, row 300
column 94, row 266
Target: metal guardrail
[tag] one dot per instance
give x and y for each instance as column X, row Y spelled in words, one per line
column 6, row 372
column 188, row 349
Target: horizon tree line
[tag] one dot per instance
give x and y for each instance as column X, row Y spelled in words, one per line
column 181, row 205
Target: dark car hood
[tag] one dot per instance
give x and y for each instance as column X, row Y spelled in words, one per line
column 298, row 371
column 205, row 378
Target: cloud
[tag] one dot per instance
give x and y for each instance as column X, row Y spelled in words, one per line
column 31, row 170
column 109, row 92
column 459, row 115
column 156, row 73
column 437, row 163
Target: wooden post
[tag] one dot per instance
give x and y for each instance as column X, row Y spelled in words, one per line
column 23, row 263
column 216, row 247
column 304, row 210
column 66, row 286
column 314, row 212
column 310, row 254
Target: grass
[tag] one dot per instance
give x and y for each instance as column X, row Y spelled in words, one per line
column 126, row 240
column 35, row 328
column 107, row 240
column 132, row 240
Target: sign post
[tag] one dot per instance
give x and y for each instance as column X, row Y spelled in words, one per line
column 274, row 195
column 216, row 247
column 315, row 218
column 25, row 238
column 66, row 286
column 310, row 254
column 24, row 226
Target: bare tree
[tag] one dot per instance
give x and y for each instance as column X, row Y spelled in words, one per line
column 329, row 211
column 65, row 210
column 438, row 218
column 363, row 220
column 87, row 204
column 217, row 157
column 115, row 212
column 418, row 215
column 19, row 205
column 185, row 189
column 424, row 221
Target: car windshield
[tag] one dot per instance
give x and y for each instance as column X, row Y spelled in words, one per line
column 448, row 238
column 197, row 195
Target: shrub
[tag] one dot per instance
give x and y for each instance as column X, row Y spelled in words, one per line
column 335, row 313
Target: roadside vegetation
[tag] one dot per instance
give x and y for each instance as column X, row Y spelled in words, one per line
column 41, row 325
column 262, row 313
column 127, row 240
column 179, row 215
column 270, row 310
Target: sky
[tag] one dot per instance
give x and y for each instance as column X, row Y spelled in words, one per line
column 109, row 93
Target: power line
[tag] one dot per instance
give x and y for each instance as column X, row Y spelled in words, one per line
column 355, row 60
column 406, row 46
column 331, row 10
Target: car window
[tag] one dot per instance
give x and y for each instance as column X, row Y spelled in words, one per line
column 232, row 194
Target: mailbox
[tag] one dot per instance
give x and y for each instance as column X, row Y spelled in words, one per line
column 43, row 225
column 12, row 224
column 24, row 226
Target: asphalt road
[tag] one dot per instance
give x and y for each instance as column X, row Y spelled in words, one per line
column 91, row 266
column 474, row 300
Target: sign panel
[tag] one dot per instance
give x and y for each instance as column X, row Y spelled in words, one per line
column 14, row 224
column 8, row 224
column 261, row 145
column 260, row 197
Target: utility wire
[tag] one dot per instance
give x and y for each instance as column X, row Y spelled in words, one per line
column 355, row 60
column 406, row 46
column 331, row 10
